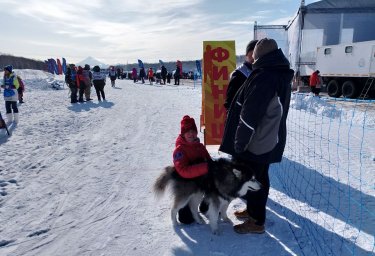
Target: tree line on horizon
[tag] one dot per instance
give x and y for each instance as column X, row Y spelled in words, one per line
column 21, row 62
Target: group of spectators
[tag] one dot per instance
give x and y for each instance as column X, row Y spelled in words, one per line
column 161, row 76
column 81, row 79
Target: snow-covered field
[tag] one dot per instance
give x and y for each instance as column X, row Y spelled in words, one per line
column 77, row 179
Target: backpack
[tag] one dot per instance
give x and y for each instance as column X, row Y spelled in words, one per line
column 21, row 83
column 87, row 76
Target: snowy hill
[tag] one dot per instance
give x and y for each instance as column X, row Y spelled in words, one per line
column 92, row 62
column 76, row 179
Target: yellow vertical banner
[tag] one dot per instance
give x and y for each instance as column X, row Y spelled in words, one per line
column 219, row 61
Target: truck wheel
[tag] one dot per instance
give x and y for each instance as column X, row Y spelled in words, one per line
column 333, row 88
column 349, row 90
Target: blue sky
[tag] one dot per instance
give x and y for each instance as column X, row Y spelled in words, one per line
column 124, row 31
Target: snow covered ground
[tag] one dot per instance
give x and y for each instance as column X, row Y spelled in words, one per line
column 77, row 179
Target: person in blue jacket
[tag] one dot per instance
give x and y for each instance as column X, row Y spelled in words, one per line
column 10, row 85
column 239, row 76
column 71, row 80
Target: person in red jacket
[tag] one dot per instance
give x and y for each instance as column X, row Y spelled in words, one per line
column 315, row 82
column 81, row 83
column 190, row 159
column 150, row 75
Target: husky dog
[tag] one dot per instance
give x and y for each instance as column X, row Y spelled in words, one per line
column 223, row 183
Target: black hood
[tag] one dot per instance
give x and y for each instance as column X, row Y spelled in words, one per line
column 273, row 59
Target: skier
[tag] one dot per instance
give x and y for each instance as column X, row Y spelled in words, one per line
column 10, row 85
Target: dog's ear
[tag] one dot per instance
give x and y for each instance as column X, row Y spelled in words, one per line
column 237, row 173
column 170, row 169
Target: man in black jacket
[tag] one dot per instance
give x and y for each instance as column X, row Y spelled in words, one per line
column 239, row 76
column 163, row 74
column 71, row 80
column 255, row 129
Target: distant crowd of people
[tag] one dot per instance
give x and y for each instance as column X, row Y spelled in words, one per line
column 161, row 76
column 81, row 79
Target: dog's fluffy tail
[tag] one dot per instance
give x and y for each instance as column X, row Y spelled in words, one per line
column 163, row 180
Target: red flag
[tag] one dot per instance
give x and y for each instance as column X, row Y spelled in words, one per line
column 59, row 67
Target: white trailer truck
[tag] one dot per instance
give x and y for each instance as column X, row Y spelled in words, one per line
column 348, row 69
